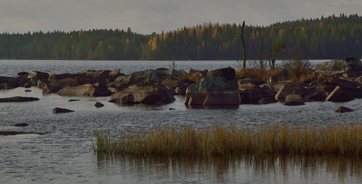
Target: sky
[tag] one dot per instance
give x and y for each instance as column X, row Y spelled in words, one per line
column 148, row 16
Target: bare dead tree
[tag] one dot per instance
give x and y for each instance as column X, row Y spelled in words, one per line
column 243, row 42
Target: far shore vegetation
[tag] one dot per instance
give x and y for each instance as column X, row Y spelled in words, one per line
column 332, row 37
column 274, row 140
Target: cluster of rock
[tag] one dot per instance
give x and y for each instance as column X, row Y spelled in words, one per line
column 218, row 87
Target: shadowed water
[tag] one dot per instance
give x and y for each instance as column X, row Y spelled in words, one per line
column 64, row 155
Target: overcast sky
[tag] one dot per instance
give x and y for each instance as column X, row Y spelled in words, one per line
column 147, row 16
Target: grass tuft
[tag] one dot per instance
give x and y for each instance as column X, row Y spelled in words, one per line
column 233, row 141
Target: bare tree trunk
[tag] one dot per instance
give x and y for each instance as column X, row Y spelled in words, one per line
column 243, row 42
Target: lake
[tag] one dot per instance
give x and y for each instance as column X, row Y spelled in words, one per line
column 64, row 154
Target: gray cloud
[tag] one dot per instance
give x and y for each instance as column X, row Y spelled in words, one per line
column 148, row 16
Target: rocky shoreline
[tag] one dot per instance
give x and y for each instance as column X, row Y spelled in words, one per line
column 336, row 81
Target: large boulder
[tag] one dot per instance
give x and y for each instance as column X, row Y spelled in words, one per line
column 84, row 90
column 346, row 65
column 146, row 92
column 219, row 88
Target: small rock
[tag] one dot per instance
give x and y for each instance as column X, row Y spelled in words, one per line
column 171, row 109
column 61, row 110
column 27, row 90
column 99, row 104
column 21, row 124
column 73, row 100
column 343, row 109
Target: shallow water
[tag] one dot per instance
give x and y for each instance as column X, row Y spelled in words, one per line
column 64, row 155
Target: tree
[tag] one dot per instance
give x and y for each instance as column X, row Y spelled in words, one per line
column 276, row 48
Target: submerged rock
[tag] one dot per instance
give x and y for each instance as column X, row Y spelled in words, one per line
column 343, row 109
column 61, row 110
column 18, row 99
column 21, row 124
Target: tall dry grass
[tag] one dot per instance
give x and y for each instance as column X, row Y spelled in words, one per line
column 231, row 140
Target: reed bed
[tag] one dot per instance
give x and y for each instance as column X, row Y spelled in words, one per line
column 233, row 141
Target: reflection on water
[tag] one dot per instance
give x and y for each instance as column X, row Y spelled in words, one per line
column 246, row 169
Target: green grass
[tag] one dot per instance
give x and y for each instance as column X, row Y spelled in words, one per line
column 233, row 141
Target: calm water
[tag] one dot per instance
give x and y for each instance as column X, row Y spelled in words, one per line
column 64, row 155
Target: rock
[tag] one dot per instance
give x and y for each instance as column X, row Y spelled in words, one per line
column 18, row 99
column 73, row 100
column 294, row 103
column 38, row 75
column 172, row 84
column 21, row 124
column 28, row 90
column 297, row 98
column 146, row 92
column 339, row 95
column 219, row 88
column 6, row 133
column 290, row 89
column 254, row 81
column 98, row 104
column 293, row 100
column 282, row 76
column 181, row 90
column 251, row 93
column 171, row 109
column 84, row 90
column 343, row 109
column 61, row 110
column 314, row 96
column 267, row 101
column 23, row 73
column 195, row 75
column 346, row 65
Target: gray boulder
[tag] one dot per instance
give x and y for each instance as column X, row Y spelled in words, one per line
column 219, row 88
column 346, row 65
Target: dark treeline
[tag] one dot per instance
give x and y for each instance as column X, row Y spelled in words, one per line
column 321, row 38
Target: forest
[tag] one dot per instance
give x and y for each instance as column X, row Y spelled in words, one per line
column 321, row 38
